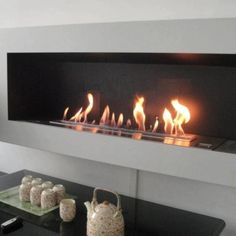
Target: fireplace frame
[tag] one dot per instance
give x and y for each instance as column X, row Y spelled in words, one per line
column 197, row 164
column 42, row 85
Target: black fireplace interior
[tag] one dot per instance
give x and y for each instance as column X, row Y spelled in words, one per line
column 42, row 85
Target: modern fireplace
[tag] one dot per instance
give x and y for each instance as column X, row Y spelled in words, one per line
column 182, row 99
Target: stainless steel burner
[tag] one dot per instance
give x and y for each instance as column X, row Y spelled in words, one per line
column 183, row 140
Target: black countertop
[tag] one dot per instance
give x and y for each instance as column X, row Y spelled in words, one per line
column 142, row 218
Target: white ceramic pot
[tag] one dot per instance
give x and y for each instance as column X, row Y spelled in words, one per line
column 27, row 178
column 36, row 181
column 60, row 192
column 67, row 209
column 48, row 199
column 35, row 195
column 24, row 191
column 104, row 219
column 47, row 184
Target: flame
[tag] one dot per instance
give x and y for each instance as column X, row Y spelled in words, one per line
column 105, row 116
column 113, row 120
column 172, row 126
column 182, row 116
column 155, row 125
column 183, row 113
column 138, row 114
column 65, row 113
column 128, row 123
column 169, row 125
column 120, row 120
column 89, row 107
column 77, row 116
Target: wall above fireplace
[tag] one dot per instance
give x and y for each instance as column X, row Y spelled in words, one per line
column 199, row 164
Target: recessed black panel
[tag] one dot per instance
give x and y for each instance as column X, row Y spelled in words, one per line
column 42, row 85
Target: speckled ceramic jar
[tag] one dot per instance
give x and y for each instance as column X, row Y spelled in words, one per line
column 60, row 192
column 67, row 209
column 48, row 199
column 47, row 184
column 35, row 195
column 27, row 178
column 36, row 181
column 24, row 191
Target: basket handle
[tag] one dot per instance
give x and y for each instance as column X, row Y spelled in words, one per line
column 94, row 201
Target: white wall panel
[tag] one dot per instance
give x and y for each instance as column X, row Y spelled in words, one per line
column 208, row 199
column 18, row 13
column 14, row 158
column 156, row 36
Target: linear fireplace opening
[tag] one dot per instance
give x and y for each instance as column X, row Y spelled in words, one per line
column 174, row 98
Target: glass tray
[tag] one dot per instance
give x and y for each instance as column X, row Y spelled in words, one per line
column 11, row 197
